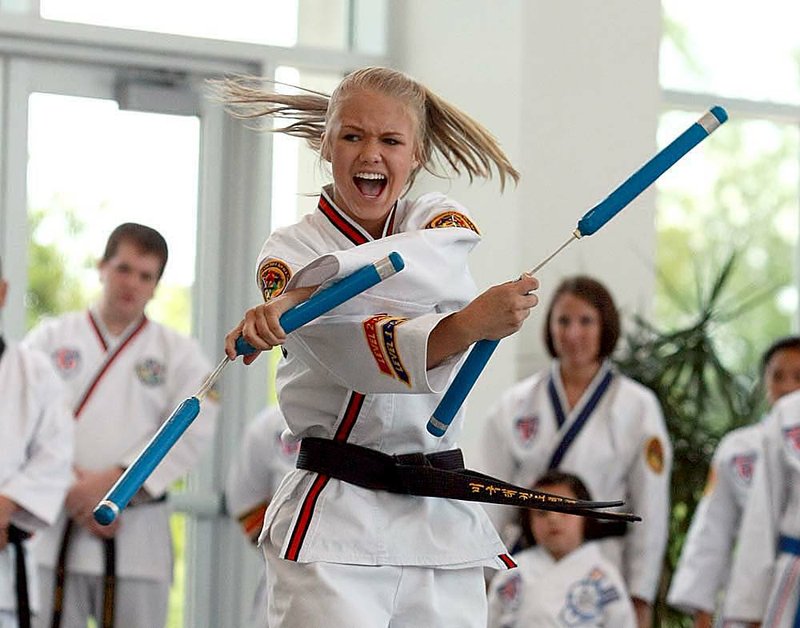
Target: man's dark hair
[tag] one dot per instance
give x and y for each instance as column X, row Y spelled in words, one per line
column 144, row 238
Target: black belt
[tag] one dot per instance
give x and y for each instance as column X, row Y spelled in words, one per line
column 16, row 538
column 109, row 573
column 440, row 474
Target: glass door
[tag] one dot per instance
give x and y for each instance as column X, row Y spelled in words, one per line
column 104, row 146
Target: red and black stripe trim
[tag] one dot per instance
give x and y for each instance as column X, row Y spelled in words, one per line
column 354, row 405
column 106, row 365
column 97, row 332
column 304, row 520
column 507, row 561
column 350, row 416
column 341, row 223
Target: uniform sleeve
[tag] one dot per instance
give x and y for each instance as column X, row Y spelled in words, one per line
column 754, row 563
column 706, row 557
column 377, row 341
column 188, row 371
column 648, row 497
column 505, row 599
column 40, row 485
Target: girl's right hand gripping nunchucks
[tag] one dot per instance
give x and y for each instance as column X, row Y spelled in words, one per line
column 323, row 301
column 591, row 222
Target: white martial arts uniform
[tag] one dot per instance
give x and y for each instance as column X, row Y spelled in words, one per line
column 359, row 376
column 704, row 566
column 36, row 446
column 765, row 579
column 264, row 457
column 139, row 378
column 622, row 451
column 582, row 589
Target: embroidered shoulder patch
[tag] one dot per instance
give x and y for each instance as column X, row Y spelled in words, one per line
column 380, row 333
column 711, row 481
column 151, row 372
column 273, row 275
column 654, row 454
column 452, row 218
column 67, row 360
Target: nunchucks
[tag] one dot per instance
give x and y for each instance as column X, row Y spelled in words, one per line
column 154, row 452
column 591, row 222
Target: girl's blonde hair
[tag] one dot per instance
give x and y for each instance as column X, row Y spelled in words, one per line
column 443, row 131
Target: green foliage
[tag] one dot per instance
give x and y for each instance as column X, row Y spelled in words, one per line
column 702, row 397
column 53, row 285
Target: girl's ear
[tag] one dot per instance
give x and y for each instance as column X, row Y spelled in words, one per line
column 324, row 148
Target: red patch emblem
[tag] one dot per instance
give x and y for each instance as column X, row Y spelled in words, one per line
column 792, row 436
column 66, row 360
column 452, row 218
column 380, row 333
column 273, row 275
column 526, row 428
column 743, row 467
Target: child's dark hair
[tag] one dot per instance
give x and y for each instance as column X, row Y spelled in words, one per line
column 552, row 478
column 781, row 344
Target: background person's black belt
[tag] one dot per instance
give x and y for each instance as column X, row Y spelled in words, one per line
column 440, row 474
column 16, row 537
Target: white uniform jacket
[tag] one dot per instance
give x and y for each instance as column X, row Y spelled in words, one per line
column 359, row 375
column 622, row 451
column 582, row 589
column 36, row 439
column 705, row 562
column 765, row 581
column 139, row 378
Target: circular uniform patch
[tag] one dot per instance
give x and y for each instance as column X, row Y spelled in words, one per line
column 273, row 275
column 452, row 218
column 654, row 454
column 151, row 372
column 67, row 360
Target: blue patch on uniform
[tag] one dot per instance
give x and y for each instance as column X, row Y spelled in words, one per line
column 586, row 599
column 151, row 372
column 67, row 360
column 526, row 428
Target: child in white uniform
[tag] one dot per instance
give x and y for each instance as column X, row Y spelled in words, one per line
column 561, row 580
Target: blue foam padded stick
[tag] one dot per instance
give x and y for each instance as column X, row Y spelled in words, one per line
column 591, row 221
column 323, row 301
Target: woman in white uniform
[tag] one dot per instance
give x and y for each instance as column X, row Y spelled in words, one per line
column 583, row 417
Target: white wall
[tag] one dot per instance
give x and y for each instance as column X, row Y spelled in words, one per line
column 571, row 90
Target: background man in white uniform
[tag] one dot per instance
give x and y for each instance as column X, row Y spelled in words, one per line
column 35, row 458
column 125, row 375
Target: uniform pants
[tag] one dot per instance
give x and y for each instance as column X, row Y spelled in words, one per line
column 783, row 607
column 139, row 603
column 331, row 595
